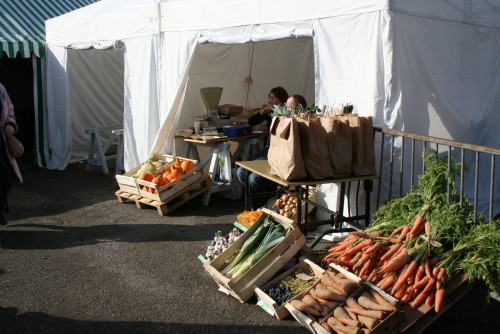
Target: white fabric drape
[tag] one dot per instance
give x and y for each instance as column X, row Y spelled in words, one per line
column 141, row 98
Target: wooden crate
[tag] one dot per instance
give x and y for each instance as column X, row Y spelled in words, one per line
column 127, row 183
column 163, row 193
column 171, row 203
column 269, row 304
column 417, row 319
column 243, row 288
column 391, row 321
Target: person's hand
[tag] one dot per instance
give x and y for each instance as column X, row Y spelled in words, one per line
column 266, row 109
column 9, row 130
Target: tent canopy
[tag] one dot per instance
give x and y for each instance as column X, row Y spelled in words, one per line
column 427, row 66
column 22, row 24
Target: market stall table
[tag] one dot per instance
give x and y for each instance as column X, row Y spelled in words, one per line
column 301, row 189
column 214, row 142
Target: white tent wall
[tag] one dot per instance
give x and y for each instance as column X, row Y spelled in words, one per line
column 94, row 99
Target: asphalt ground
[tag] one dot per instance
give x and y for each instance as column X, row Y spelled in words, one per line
column 75, row 260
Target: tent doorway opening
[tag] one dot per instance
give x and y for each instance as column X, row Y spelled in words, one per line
column 16, row 74
column 288, row 63
column 95, row 94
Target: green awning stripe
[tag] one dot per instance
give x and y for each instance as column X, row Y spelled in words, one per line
column 22, row 23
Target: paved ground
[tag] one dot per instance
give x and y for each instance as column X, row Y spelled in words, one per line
column 75, row 260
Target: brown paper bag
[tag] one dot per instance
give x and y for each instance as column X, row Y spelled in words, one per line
column 314, row 146
column 363, row 161
column 338, row 137
column 284, row 156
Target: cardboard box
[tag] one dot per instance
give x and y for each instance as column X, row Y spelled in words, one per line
column 243, row 287
column 269, row 304
column 127, row 183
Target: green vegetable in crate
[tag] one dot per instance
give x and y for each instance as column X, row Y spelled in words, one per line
column 264, row 238
column 297, row 284
column 149, row 166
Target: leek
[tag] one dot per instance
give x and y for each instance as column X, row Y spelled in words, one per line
column 252, row 240
column 275, row 234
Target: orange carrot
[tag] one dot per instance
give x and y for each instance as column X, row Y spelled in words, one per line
column 417, row 225
column 361, row 262
column 372, row 276
column 389, row 281
column 359, row 247
column 420, row 273
column 422, row 283
column 342, row 263
column 397, row 262
column 438, row 299
column 406, row 272
column 441, row 273
column 392, row 240
column 398, row 294
column 366, row 267
column 427, row 266
column 373, row 248
column 430, row 298
column 427, row 227
column 404, row 232
column 392, row 250
column 397, row 231
column 420, row 298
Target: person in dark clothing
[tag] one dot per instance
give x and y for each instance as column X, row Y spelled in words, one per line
column 256, row 183
column 8, row 165
column 296, row 102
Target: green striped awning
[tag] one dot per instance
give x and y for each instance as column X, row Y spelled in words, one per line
column 22, row 23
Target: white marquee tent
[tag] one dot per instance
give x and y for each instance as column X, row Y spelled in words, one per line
column 427, row 66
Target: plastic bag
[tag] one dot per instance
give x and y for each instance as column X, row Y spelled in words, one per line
column 225, row 162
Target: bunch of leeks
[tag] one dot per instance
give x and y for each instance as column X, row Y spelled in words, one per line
column 264, row 238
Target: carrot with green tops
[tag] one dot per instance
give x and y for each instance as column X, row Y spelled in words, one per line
column 417, row 227
column 420, row 298
column 404, row 232
column 373, row 248
column 369, row 265
column 359, row 247
column 406, row 272
column 439, row 299
column 397, row 231
column 397, row 262
column 392, row 250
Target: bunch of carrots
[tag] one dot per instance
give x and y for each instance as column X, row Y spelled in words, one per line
column 400, row 264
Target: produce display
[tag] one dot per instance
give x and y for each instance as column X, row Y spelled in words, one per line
column 256, row 246
column 161, row 173
column 220, row 243
column 286, row 205
column 290, row 286
column 323, row 298
column 247, row 218
column 417, row 243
